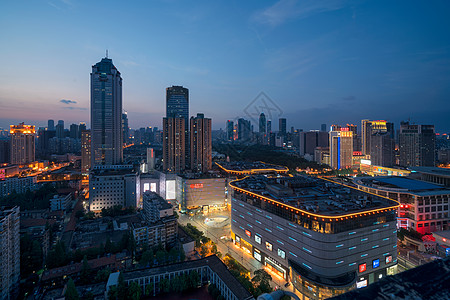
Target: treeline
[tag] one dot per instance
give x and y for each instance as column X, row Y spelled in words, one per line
column 264, row 153
column 58, row 256
column 29, row 200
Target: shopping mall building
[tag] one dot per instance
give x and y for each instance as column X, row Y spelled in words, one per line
column 323, row 237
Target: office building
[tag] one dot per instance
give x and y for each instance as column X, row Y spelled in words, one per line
column 106, row 114
column 177, row 106
column 22, row 143
column 201, row 144
column 230, row 130
column 369, row 128
column 51, row 125
column 243, row 130
column 282, row 126
column 341, row 148
column 309, row 141
column 269, row 127
column 323, row 127
column 150, row 159
column 382, row 149
column 174, row 145
column 324, row 237
column 417, row 145
column 262, row 123
column 85, row 151
column 10, row 252
column 424, row 206
column 201, row 195
column 113, row 185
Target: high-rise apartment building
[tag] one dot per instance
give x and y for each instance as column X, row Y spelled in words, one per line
column 51, row 125
column 323, row 127
column 125, row 128
column 174, row 145
column 10, row 251
column 22, row 143
column 74, row 129
column 269, row 127
column 201, row 144
column 5, row 151
column 417, row 145
column 106, row 114
column 262, row 123
column 341, row 148
column 60, row 130
column 177, row 106
column 85, row 151
column 282, row 126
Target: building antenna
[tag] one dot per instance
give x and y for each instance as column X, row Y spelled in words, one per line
column 106, row 53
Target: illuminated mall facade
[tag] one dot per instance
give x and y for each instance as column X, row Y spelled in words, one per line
column 313, row 237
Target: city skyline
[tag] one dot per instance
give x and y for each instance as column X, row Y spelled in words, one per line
column 314, row 60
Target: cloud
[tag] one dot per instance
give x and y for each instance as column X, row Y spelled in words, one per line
column 68, row 101
column 73, row 107
column 285, row 10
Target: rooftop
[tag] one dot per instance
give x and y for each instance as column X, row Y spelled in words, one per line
column 406, row 184
column 311, row 194
column 212, row 261
column 432, row 170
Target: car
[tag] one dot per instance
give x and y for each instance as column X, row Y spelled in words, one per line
column 287, row 284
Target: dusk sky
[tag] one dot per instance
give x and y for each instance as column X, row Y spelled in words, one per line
column 319, row 61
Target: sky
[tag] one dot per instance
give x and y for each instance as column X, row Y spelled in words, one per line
column 309, row 61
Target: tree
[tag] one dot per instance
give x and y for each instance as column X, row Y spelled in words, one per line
column 261, row 281
column 161, row 257
column 134, row 291
column 108, row 246
column 147, row 258
column 102, row 275
column 204, row 250
column 71, row 291
column 149, row 289
column 173, row 254
column 85, row 271
column 214, row 249
column 164, row 285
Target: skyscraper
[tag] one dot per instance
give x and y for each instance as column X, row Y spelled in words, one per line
column 244, row 130
column 74, row 128
column 174, row 145
column 230, row 130
column 417, row 145
column 201, row 144
column 282, row 126
column 85, row 151
column 269, row 127
column 382, row 147
column 10, row 251
column 323, row 127
column 22, row 143
column 368, row 128
column 262, row 123
column 106, row 114
column 341, row 148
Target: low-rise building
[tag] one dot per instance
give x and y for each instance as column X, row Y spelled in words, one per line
column 60, row 202
column 18, row 184
column 158, row 224
column 424, row 206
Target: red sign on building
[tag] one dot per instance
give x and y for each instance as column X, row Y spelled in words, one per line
column 197, row 186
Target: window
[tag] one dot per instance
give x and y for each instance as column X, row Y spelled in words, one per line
column 268, row 246
column 257, row 239
column 281, row 253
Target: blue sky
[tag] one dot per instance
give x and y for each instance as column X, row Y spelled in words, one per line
column 326, row 61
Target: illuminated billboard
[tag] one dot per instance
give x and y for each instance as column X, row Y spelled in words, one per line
column 171, row 190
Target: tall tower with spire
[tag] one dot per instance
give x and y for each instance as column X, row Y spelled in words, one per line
column 106, row 114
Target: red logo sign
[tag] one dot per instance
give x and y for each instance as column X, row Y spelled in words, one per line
column 248, row 233
column 362, row 268
column 197, row 186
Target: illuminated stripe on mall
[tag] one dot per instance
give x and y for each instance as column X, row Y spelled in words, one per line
column 319, row 217
column 256, row 171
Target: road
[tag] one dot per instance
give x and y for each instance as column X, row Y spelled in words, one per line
column 227, row 246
